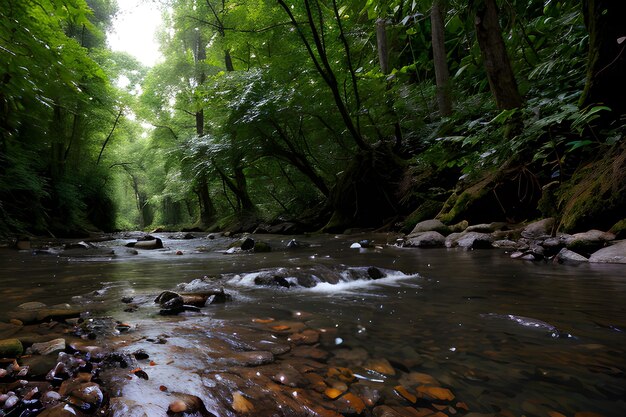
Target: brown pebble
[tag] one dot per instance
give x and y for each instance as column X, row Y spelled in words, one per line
column 405, row 394
column 332, row 393
column 241, row 404
column 436, row 393
column 382, row 366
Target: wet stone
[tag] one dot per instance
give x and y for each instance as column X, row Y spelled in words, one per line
column 381, row 365
column 48, row 348
column 306, row 337
column 249, row 358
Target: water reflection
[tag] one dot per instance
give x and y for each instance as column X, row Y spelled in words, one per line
column 477, row 321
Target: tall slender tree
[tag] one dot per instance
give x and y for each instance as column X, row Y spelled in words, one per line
column 495, row 57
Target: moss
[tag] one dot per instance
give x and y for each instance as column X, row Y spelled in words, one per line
column 427, row 210
column 595, row 196
column 619, row 229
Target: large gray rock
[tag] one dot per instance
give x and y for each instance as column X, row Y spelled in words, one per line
column 566, row 256
column 433, row 225
column 426, row 240
column 475, row 240
column 452, row 239
column 615, row 253
column 541, row 229
column 590, row 241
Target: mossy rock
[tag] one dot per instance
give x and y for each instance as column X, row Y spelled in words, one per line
column 10, row 348
column 260, row 247
column 595, row 196
column 427, row 210
column 619, row 229
column 509, row 194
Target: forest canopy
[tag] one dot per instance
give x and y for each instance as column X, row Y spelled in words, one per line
column 308, row 115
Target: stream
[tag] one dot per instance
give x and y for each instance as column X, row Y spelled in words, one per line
column 506, row 337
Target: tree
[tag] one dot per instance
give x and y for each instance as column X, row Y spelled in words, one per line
column 495, row 57
column 606, row 62
column 442, row 77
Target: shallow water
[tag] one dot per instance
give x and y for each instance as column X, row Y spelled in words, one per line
column 502, row 334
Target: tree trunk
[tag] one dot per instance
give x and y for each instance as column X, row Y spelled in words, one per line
column 207, row 209
column 606, row 62
column 496, row 60
column 383, row 46
column 442, row 77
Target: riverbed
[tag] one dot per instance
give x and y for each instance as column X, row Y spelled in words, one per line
column 504, row 336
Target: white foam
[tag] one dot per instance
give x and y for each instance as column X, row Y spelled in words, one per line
column 392, row 279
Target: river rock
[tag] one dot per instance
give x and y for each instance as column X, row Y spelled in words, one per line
column 475, row 240
column 505, row 244
column 589, row 241
column 459, row 227
column 452, row 239
column 433, row 225
column 33, row 305
column 47, row 348
column 541, row 229
column 10, row 348
column 431, row 239
column 260, row 247
column 155, row 243
column 296, row 244
column 79, row 245
column 87, row 396
column 23, row 243
column 615, row 253
column 485, row 227
column 566, row 256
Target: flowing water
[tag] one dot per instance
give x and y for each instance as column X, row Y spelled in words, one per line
column 505, row 336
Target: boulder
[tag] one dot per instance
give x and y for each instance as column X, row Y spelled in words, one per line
column 566, row 256
column 260, row 247
column 245, row 243
column 541, row 229
column 589, row 241
column 430, row 239
column 615, row 253
column 433, row 225
column 475, row 240
column 452, row 239
column 155, row 243
column 459, row 227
